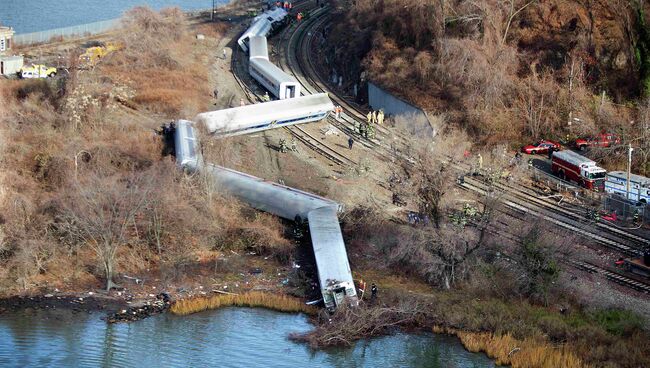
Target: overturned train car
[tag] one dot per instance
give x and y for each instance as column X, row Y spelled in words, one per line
column 262, row 116
column 334, row 273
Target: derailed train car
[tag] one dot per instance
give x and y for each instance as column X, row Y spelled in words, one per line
column 263, row 25
column 274, row 79
column 262, row 116
column 335, row 277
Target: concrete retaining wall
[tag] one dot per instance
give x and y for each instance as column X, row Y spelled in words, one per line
column 380, row 99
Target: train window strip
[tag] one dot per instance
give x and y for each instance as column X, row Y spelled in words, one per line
column 260, row 75
column 624, row 190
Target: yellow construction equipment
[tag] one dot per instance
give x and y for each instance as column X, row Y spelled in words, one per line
column 94, row 54
column 37, row 71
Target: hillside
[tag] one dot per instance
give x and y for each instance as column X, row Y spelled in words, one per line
column 503, row 71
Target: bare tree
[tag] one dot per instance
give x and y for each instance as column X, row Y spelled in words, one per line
column 100, row 212
column 514, row 9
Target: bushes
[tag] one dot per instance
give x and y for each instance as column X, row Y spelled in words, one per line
column 160, row 63
column 617, row 322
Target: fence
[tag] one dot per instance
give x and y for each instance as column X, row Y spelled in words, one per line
column 86, row 29
column 66, row 32
column 627, row 210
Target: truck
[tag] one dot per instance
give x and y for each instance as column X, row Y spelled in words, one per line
column 568, row 165
column 37, row 71
column 616, row 183
column 602, row 140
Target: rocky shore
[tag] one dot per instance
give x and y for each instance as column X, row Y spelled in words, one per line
column 117, row 308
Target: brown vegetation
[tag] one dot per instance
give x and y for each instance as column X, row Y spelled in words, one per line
column 160, row 63
column 506, row 350
column 86, row 194
column 510, row 71
column 253, row 299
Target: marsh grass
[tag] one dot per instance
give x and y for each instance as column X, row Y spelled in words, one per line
column 507, row 350
column 253, row 299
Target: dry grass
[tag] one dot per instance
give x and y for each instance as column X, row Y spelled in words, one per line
column 507, row 350
column 161, row 62
column 253, row 299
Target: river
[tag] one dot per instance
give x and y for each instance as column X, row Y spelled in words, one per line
column 38, row 15
column 230, row 337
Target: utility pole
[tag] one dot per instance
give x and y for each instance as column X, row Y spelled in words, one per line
column 212, row 12
column 629, row 169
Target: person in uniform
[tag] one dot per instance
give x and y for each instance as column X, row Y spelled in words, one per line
column 373, row 291
column 294, row 146
column 350, row 142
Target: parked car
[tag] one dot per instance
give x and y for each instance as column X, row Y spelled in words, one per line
column 602, row 140
column 543, row 146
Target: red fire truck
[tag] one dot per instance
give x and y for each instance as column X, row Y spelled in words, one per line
column 602, row 140
column 569, row 165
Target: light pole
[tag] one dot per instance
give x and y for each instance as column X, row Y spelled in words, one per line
column 629, row 169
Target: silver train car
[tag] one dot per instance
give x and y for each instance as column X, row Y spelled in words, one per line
column 262, row 25
column 335, row 276
column 274, row 79
column 262, row 116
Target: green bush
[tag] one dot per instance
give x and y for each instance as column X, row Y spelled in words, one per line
column 618, row 322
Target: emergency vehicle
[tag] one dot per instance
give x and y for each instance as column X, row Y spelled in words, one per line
column 569, row 165
column 37, row 71
column 603, row 140
column 616, row 183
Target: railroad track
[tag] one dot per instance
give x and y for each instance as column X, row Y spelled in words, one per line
column 295, row 58
column 295, row 50
column 633, row 243
column 240, row 71
column 504, row 232
column 528, row 209
column 611, row 275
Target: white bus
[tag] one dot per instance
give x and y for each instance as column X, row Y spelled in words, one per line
column 616, row 183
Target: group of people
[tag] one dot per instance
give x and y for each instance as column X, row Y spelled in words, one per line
column 337, row 111
column 362, row 290
column 288, row 6
column 284, row 148
column 367, row 128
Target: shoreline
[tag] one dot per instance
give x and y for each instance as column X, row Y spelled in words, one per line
column 502, row 349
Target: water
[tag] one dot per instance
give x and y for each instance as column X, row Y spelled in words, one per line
column 231, row 337
column 39, row 15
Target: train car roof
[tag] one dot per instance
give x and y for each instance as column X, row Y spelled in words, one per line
column 258, row 47
column 329, row 248
column 272, row 72
column 633, row 177
column 274, row 15
column 257, row 28
column 574, row 158
column 268, row 196
column 224, row 121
